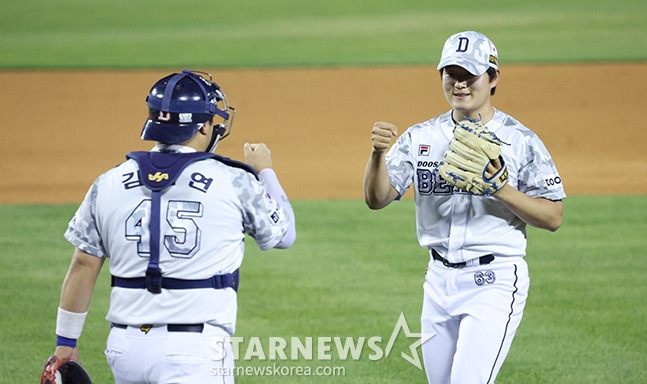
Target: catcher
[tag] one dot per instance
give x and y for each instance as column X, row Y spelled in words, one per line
column 479, row 178
column 173, row 221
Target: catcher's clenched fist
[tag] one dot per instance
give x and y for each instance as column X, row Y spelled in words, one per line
column 474, row 162
column 382, row 134
column 258, row 156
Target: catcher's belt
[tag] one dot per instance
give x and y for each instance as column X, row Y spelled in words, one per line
column 227, row 280
column 194, row 328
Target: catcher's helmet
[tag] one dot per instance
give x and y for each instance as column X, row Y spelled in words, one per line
column 180, row 104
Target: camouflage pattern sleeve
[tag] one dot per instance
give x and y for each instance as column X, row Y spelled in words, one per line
column 539, row 177
column 400, row 164
column 263, row 217
column 82, row 230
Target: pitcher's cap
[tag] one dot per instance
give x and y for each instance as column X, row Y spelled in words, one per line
column 470, row 50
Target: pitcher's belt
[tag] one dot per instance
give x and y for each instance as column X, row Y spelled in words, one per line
column 483, row 260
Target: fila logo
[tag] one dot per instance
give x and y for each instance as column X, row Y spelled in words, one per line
column 164, row 116
column 158, row 177
column 423, row 150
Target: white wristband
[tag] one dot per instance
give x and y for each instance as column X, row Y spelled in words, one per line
column 70, row 324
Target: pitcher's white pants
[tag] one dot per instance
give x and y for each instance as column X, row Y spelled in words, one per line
column 474, row 313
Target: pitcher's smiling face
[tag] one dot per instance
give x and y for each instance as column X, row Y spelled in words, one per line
column 469, row 95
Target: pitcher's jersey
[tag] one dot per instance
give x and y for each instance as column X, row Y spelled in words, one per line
column 204, row 218
column 459, row 225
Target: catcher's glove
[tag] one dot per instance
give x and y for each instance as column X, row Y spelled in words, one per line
column 64, row 372
column 472, row 149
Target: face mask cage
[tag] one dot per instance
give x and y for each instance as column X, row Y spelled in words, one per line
column 220, row 106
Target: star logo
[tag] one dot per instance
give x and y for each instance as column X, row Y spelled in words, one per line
column 420, row 338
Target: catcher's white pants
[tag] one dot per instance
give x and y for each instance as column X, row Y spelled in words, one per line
column 474, row 313
column 159, row 356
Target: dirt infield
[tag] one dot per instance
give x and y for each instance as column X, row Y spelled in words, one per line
column 62, row 129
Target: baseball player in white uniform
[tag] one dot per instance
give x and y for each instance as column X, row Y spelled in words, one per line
column 477, row 281
column 173, row 222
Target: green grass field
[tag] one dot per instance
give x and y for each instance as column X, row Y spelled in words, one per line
column 350, row 274
column 352, row 271
column 253, row 33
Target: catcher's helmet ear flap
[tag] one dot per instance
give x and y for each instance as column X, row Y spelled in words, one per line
column 181, row 103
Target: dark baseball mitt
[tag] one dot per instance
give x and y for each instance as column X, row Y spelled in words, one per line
column 64, row 372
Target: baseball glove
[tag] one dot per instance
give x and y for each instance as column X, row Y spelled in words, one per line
column 472, row 149
column 64, row 372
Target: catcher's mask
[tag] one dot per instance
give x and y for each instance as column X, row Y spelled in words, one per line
column 181, row 103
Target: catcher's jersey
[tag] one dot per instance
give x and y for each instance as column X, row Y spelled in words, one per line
column 205, row 215
column 459, row 225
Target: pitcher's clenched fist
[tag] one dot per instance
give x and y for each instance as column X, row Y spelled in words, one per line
column 382, row 134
